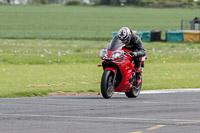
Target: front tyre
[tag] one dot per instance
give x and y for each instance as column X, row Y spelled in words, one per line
column 134, row 92
column 107, row 88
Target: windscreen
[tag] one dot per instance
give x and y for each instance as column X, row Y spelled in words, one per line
column 114, row 44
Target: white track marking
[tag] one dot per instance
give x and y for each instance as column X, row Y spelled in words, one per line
column 99, row 118
column 166, row 91
column 170, row 91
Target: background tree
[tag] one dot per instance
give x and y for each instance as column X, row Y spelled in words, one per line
column 39, row 1
column 105, row 2
column 115, row 2
column 133, row 2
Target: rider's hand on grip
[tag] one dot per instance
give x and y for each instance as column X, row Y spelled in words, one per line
column 132, row 54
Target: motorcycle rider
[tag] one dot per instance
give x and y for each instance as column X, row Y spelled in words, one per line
column 133, row 43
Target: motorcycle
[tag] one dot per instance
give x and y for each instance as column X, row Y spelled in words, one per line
column 119, row 74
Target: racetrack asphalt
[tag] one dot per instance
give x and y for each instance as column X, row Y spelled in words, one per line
column 165, row 111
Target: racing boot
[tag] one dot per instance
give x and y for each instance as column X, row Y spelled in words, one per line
column 138, row 77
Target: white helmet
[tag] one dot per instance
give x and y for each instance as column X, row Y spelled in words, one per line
column 125, row 35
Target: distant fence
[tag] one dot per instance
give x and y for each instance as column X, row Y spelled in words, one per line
column 190, row 24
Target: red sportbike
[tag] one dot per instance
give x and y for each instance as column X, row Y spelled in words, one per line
column 119, row 74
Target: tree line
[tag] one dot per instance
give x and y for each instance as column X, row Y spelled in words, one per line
column 32, row 1
column 150, row 3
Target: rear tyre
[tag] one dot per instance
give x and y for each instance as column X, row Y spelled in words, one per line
column 134, row 92
column 107, row 88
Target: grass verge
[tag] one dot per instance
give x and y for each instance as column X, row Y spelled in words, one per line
column 39, row 80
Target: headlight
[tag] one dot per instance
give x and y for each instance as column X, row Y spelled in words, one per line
column 103, row 53
column 116, row 54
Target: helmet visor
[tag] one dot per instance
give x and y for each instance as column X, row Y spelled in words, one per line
column 126, row 41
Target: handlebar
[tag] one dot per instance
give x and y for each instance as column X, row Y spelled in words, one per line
column 125, row 52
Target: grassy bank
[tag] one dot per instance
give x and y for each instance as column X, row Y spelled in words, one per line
column 85, row 23
column 39, row 80
column 37, row 67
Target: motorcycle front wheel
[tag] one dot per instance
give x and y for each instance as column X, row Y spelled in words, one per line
column 107, row 88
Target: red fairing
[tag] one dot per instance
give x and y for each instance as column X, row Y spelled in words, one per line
column 111, row 69
column 126, row 69
column 109, row 53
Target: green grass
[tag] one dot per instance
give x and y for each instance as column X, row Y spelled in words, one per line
column 85, row 23
column 72, row 52
column 38, row 80
column 171, row 75
column 72, row 66
column 49, row 51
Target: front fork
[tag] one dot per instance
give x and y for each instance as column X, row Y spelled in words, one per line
column 114, row 70
column 114, row 78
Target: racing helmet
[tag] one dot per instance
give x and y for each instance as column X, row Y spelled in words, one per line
column 125, row 35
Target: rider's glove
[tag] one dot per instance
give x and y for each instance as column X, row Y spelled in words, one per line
column 133, row 54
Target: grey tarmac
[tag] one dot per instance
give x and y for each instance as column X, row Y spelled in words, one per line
column 161, row 111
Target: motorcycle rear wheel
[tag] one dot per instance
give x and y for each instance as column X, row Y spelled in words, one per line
column 134, row 92
column 107, row 88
